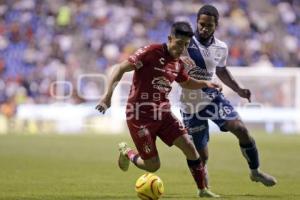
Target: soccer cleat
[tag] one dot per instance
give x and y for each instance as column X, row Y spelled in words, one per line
column 264, row 178
column 123, row 158
column 207, row 193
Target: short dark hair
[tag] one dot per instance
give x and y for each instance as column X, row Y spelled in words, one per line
column 182, row 28
column 209, row 10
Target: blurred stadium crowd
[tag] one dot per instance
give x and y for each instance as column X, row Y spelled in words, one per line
column 43, row 39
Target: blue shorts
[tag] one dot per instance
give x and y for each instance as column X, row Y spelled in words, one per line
column 219, row 111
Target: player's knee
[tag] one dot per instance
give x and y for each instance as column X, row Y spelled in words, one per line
column 152, row 165
column 204, row 158
column 187, row 147
column 203, row 152
column 240, row 130
column 191, row 151
column 243, row 134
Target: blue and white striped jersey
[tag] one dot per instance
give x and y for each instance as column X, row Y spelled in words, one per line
column 206, row 60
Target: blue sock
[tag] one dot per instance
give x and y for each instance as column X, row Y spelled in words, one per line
column 250, row 152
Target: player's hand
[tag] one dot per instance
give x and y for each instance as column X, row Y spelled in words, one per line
column 214, row 85
column 103, row 105
column 187, row 61
column 245, row 93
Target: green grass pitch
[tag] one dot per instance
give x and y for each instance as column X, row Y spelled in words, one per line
column 60, row 167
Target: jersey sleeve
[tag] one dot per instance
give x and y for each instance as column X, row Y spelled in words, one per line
column 138, row 58
column 182, row 74
column 224, row 54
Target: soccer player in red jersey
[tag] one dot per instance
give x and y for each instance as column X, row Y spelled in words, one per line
column 148, row 111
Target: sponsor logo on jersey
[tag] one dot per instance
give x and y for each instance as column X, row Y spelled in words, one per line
column 169, row 71
column 200, row 74
column 196, row 129
column 141, row 51
column 159, row 69
column 162, row 84
column 177, row 67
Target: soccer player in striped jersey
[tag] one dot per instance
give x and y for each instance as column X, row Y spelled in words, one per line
column 207, row 58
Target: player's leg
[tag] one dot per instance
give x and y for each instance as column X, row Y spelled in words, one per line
column 246, row 142
column 194, row 163
column 203, row 152
column 173, row 133
column 146, row 157
column 249, row 151
column 128, row 155
column 229, row 120
column 199, row 132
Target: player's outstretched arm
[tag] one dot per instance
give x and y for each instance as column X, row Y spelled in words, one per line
column 226, row 77
column 114, row 78
column 194, row 84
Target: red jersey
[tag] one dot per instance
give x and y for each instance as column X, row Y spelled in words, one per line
column 155, row 70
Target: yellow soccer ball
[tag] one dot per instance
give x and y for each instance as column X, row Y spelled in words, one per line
column 149, row 187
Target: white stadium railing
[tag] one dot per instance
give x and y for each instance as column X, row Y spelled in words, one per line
column 275, row 105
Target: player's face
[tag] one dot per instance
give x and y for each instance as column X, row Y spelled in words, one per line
column 177, row 45
column 206, row 26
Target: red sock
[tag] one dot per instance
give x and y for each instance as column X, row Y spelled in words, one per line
column 198, row 172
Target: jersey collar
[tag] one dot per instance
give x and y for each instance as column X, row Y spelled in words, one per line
column 206, row 42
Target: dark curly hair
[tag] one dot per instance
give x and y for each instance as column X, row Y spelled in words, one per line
column 209, row 10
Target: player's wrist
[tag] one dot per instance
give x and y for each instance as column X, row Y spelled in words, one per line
column 107, row 96
column 237, row 89
column 206, row 84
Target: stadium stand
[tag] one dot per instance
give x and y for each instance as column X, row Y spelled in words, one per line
column 46, row 41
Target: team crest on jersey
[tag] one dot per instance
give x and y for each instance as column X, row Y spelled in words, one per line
column 143, row 131
column 218, row 53
column 206, row 52
column 162, row 84
column 147, row 148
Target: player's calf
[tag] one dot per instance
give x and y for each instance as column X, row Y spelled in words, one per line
column 152, row 164
column 206, row 178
